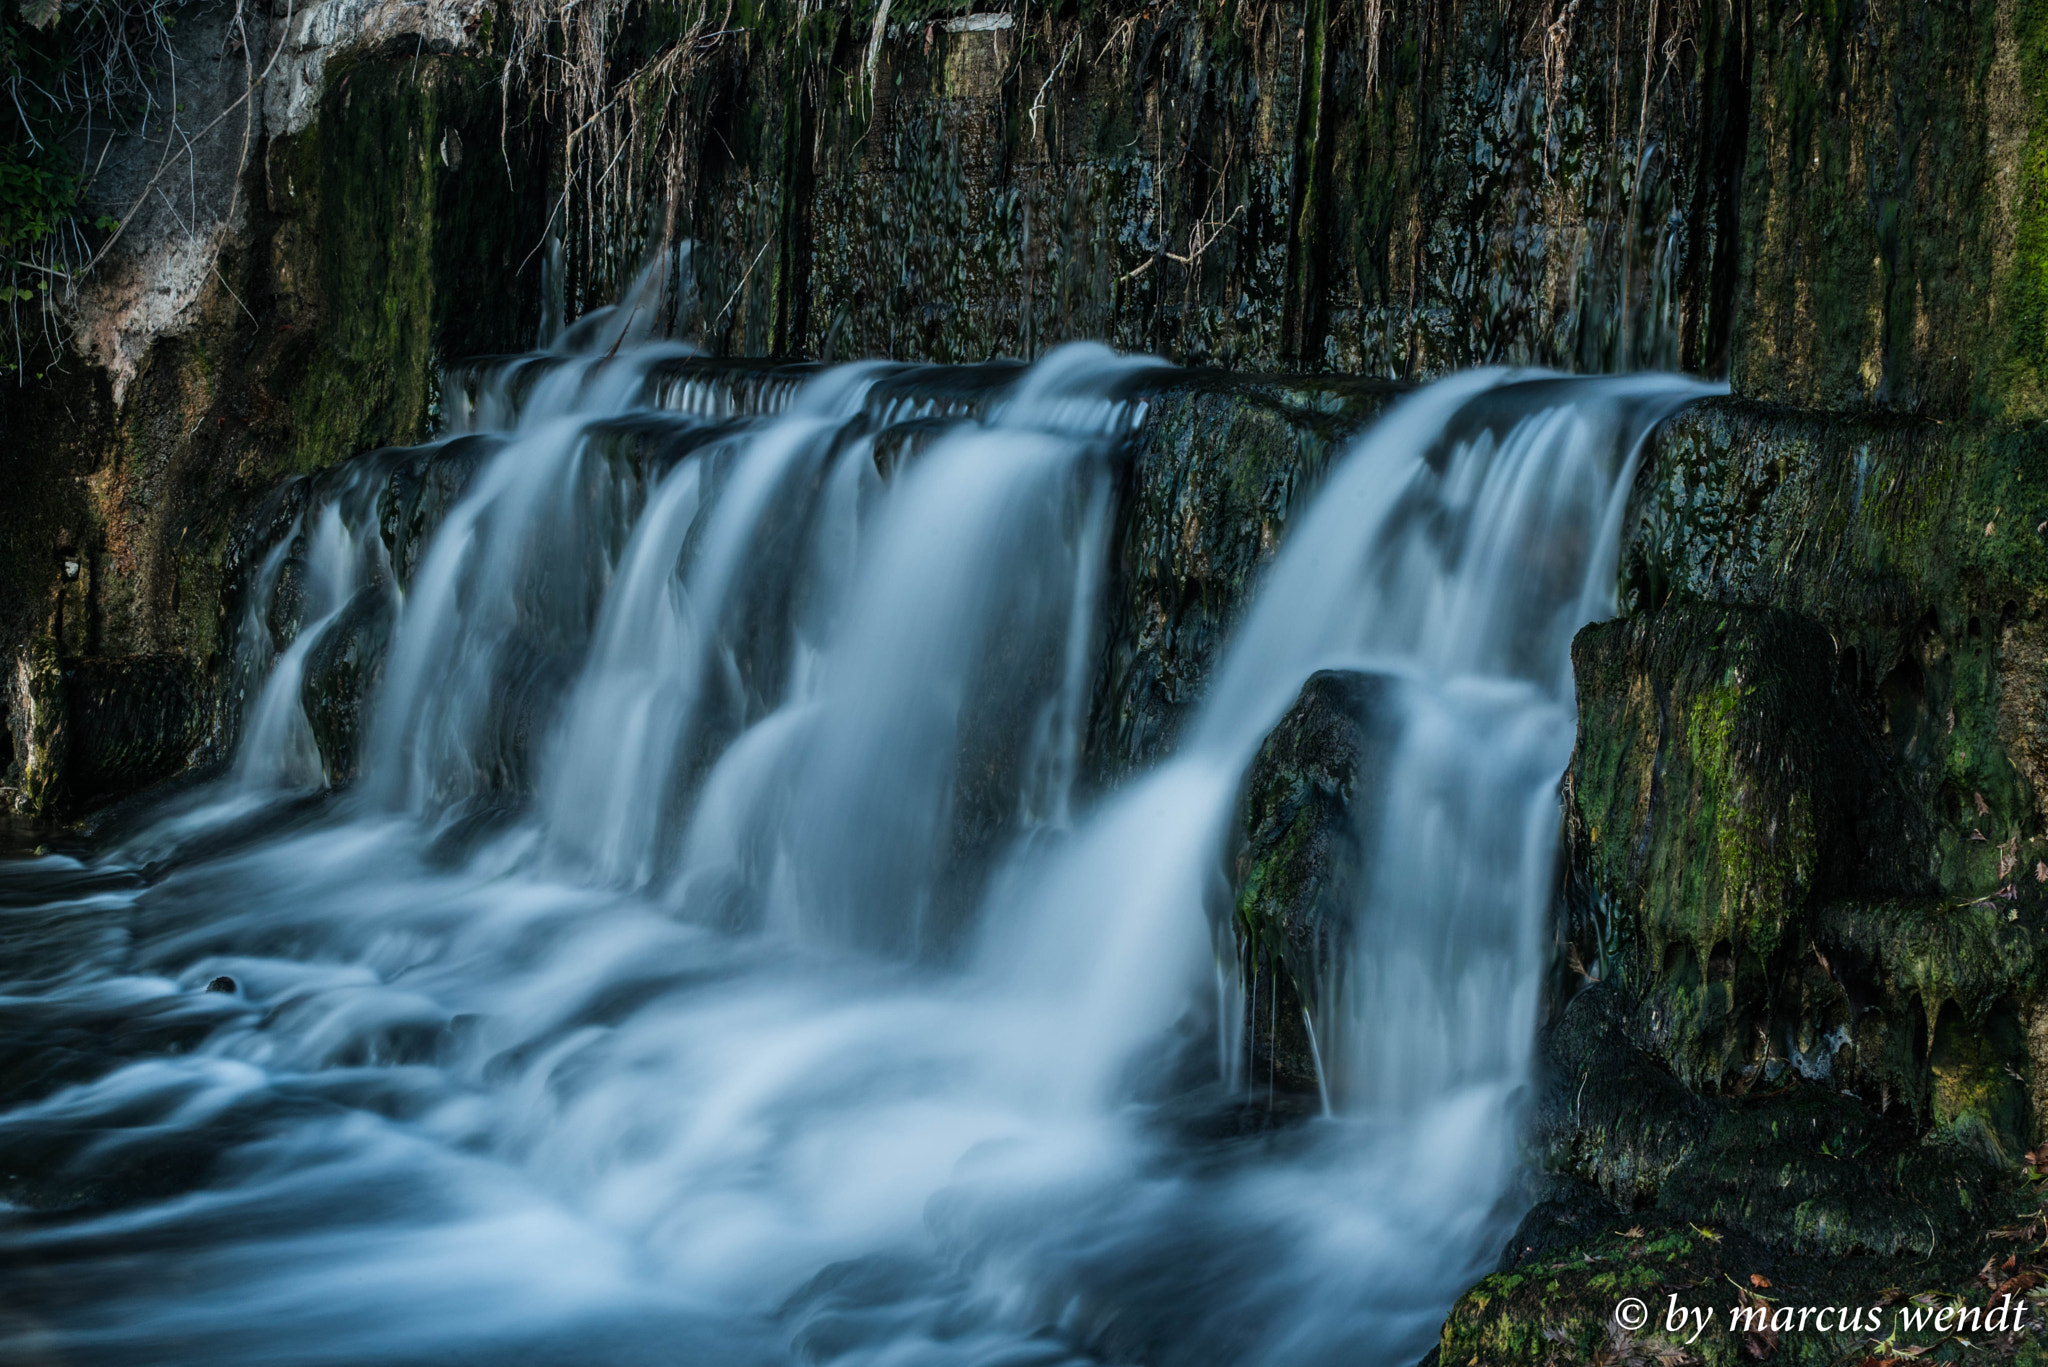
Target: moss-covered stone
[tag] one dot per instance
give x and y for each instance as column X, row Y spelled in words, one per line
column 1720, row 789
column 1799, row 1167
column 1554, row 1302
column 407, row 233
column 398, row 228
column 1607, row 1113
column 39, row 731
column 1801, row 828
column 1915, row 549
column 1892, row 208
column 1297, row 876
column 1797, row 1195
column 1920, row 547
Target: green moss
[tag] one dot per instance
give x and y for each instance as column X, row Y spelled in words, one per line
column 1557, row 1309
column 1695, row 776
column 2022, row 383
column 408, row 202
column 1884, row 191
column 1919, row 546
column 41, row 737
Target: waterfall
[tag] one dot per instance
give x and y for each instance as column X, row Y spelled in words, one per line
column 718, row 957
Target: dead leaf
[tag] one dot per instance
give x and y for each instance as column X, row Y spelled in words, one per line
column 1758, row 1279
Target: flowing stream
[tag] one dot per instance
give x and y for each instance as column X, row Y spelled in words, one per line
column 717, row 955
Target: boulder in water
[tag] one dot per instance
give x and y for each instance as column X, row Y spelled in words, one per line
column 342, row 672
column 1299, row 873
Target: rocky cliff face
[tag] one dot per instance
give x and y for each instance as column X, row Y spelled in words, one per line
column 383, row 224
column 1804, row 870
column 1375, row 188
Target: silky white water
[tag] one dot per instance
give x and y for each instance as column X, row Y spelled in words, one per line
column 718, row 957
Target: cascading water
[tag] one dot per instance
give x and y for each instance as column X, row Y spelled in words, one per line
column 716, row 959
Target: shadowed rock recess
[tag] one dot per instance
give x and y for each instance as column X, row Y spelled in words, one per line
column 1794, row 1049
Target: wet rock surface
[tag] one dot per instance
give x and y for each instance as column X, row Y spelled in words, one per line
column 1219, row 465
column 1800, row 923
column 1794, row 1196
column 1721, row 790
column 1299, row 874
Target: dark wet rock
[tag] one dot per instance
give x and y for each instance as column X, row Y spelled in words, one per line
column 423, row 486
column 132, row 720
column 1853, row 893
column 1797, row 1196
column 1800, row 1168
column 1608, row 1114
column 1811, row 1170
column 1219, row 466
column 1394, row 190
column 221, row 984
column 1919, row 547
column 1565, row 1212
column 1721, row 790
column 287, row 609
column 341, row 675
column 1299, row 870
column 1891, row 214
column 1556, row 1304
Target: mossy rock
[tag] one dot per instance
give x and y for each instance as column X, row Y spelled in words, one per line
column 342, row 672
column 1298, row 876
column 1917, row 550
column 1812, row 1171
column 1555, row 1300
column 1893, row 218
column 1921, row 548
column 1799, row 1167
column 1607, row 1113
column 1720, row 788
column 1798, row 1196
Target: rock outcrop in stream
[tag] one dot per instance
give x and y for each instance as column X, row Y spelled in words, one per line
column 1804, row 895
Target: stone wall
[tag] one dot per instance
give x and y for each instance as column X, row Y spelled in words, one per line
column 1392, row 189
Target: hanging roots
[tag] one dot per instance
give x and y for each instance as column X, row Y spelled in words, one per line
column 626, row 164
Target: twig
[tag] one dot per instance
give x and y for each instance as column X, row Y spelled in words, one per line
column 240, row 100
column 744, row 276
column 1038, row 104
